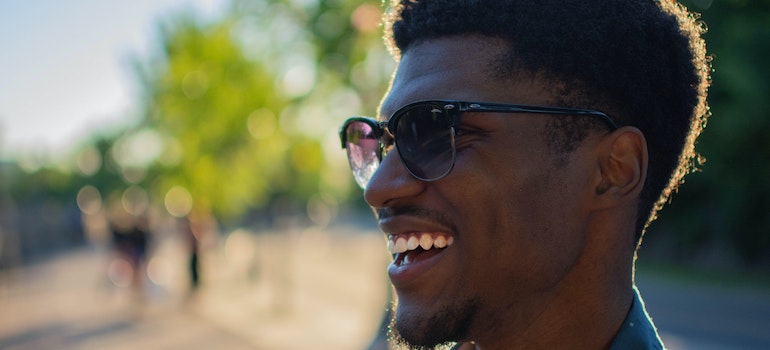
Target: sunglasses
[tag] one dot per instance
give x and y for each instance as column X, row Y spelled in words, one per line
column 424, row 135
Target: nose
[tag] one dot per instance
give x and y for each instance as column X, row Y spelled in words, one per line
column 391, row 182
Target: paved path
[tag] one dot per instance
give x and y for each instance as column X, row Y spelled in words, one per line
column 309, row 289
column 64, row 304
column 306, row 290
column 697, row 316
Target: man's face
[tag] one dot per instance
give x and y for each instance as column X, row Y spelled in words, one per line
column 514, row 215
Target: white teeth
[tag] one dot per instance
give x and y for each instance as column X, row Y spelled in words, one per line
column 400, row 246
column 439, row 242
column 426, row 241
column 412, row 243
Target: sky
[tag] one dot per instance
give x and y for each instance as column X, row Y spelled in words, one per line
column 65, row 67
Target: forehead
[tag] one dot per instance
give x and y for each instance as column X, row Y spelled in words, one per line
column 459, row 68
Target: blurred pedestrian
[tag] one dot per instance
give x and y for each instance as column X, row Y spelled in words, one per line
column 130, row 240
column 191, row 235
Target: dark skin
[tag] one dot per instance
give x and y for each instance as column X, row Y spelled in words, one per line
column 543, row 250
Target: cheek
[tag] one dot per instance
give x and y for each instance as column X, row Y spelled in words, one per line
column 521, row 223
column 548, row 230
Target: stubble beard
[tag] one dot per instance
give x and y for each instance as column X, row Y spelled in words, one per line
column 435, row 331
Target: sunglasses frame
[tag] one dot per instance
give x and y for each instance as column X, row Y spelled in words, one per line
column 454, row 110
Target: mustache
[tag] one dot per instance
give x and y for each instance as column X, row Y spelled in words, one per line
column 416, row 211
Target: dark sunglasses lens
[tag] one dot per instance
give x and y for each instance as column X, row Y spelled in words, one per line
column 362, row 147
column 424, row 141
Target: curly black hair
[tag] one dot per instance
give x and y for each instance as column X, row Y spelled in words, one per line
column 643, row 62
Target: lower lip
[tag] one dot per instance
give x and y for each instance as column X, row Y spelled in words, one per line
column 405, row 275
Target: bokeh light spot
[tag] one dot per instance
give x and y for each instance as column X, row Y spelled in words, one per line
column 89, row 161
column 138, row 149
column 322, row 209
column 178, row 201
column 135, row 200
column 300, row 79
column 89, row 200
column 366, row 18
column 261, row 123
column 120, row 272
column 159, row 271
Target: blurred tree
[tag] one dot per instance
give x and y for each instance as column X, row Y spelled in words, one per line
column 245, row 108
column 726, row 205
column 200, row 96
column 329, row 59
column 37, row 213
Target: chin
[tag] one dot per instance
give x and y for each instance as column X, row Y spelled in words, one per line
column 416, row 328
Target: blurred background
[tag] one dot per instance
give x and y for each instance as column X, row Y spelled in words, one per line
column 171, row 176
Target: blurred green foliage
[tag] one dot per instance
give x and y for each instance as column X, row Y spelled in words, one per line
column 199, row 97
column 722, row 211
column 242, row 112
column 244, row 109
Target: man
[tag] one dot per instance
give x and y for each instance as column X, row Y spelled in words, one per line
column 518, row 156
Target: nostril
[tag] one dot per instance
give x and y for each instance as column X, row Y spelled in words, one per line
column 389, row 182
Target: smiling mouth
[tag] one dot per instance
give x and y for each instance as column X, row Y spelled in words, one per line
column 414, row 247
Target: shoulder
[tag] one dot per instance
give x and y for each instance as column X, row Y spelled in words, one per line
column 638, row 331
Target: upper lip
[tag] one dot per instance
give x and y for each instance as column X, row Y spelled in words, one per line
column 405, row 223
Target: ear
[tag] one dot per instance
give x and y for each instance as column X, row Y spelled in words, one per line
column 623, row 164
